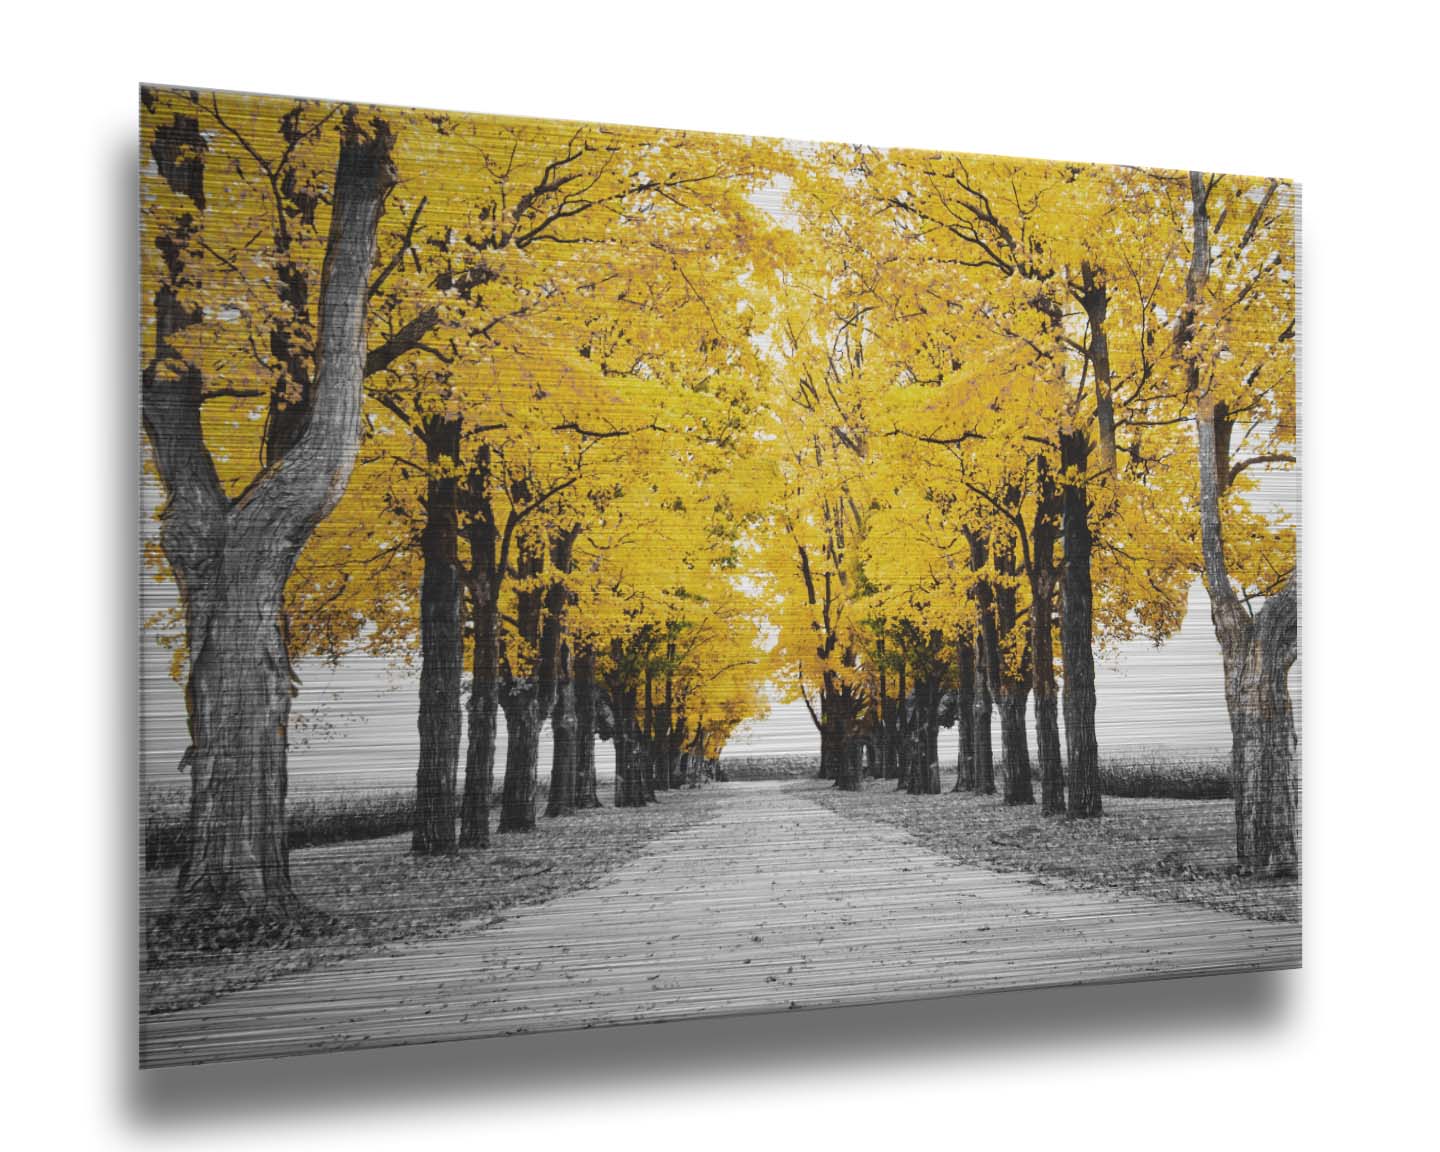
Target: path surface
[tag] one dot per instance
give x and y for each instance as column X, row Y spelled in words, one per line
column 773, row 903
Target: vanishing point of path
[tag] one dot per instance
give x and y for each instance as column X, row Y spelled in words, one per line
column 772, row 903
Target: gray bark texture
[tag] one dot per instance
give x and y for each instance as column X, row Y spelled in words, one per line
column 232, row 558
column 1042, row 647
column 623, row 728
column 1257, row 649
column 484, row 710
column 984, row 782
column 839, row 709
column 488, row 560
column 565, row 726
column 442, row 648
column 528, row 693
column 1077, row 630
column 999, row 615
column 889, row 733
column 924, row 708
column 965, row 776
column 586, row 791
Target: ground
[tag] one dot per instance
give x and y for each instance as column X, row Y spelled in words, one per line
column 378, row 893
column 769, row 901
column 1163, row 849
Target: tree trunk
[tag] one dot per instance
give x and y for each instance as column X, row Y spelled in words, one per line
column 1256, row 651
column 1082, row 752
column 232, row 559
column 1047, row 731
column 644, row 750
column 524, row 718
column 1011, row 687
column 646, row 754
column 1047, row 706
column 484, row 580
column 484, row 706
column 1042, row 645
column 828, row 751
column 1263, row 766
column 888, row 734
column 665, row 752
column 586, row 792
column 932, row 756
column 291, row 334
column 903, row 748
column 565, row 727
column 965, row 776
column 1015, row 745
column 854, row 761
column 678, row 725
column 442, row 648
column 290, row 340
column 847, row 769
column 925, row 770
column 236, row 877
column 629, row 777
column 984, row 746
column 648, row 749
column 890, row 748
column 523, row 721
column 629, row 773
column 925, row 773
column 835, row 709
column 1007, row 687
column 1095, row 299
column 692, row 759
column 529, row 698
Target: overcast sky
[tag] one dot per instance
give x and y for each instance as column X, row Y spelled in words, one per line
column 357, row 721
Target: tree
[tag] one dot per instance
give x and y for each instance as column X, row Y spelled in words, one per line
column 629, row 446
column 1235, row 336
column 528, row 186
column 501, row 264
column 1031, row 296
column 825, row 382
column 232, row 556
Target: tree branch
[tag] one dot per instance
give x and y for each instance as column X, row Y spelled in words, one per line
column 1267, row 458
column 399, row 257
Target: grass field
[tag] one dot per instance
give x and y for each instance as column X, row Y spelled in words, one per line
column 1162, row 773
column 317, row 816
column 742, row 768
column 1166, row 849
column 311, row 821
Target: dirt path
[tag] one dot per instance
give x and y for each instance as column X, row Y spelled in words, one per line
column 773, row 903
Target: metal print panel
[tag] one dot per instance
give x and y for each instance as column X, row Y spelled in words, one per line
column 604, row 574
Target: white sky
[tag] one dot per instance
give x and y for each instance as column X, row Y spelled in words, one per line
column 357, row 721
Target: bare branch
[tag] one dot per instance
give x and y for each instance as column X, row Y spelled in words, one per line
column 1267, row 458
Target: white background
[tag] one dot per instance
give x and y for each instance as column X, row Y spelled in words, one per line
column 1342, row 1051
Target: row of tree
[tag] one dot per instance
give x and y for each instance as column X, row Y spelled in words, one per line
column 567, row 407
column 988, row 378
column 530, row 369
